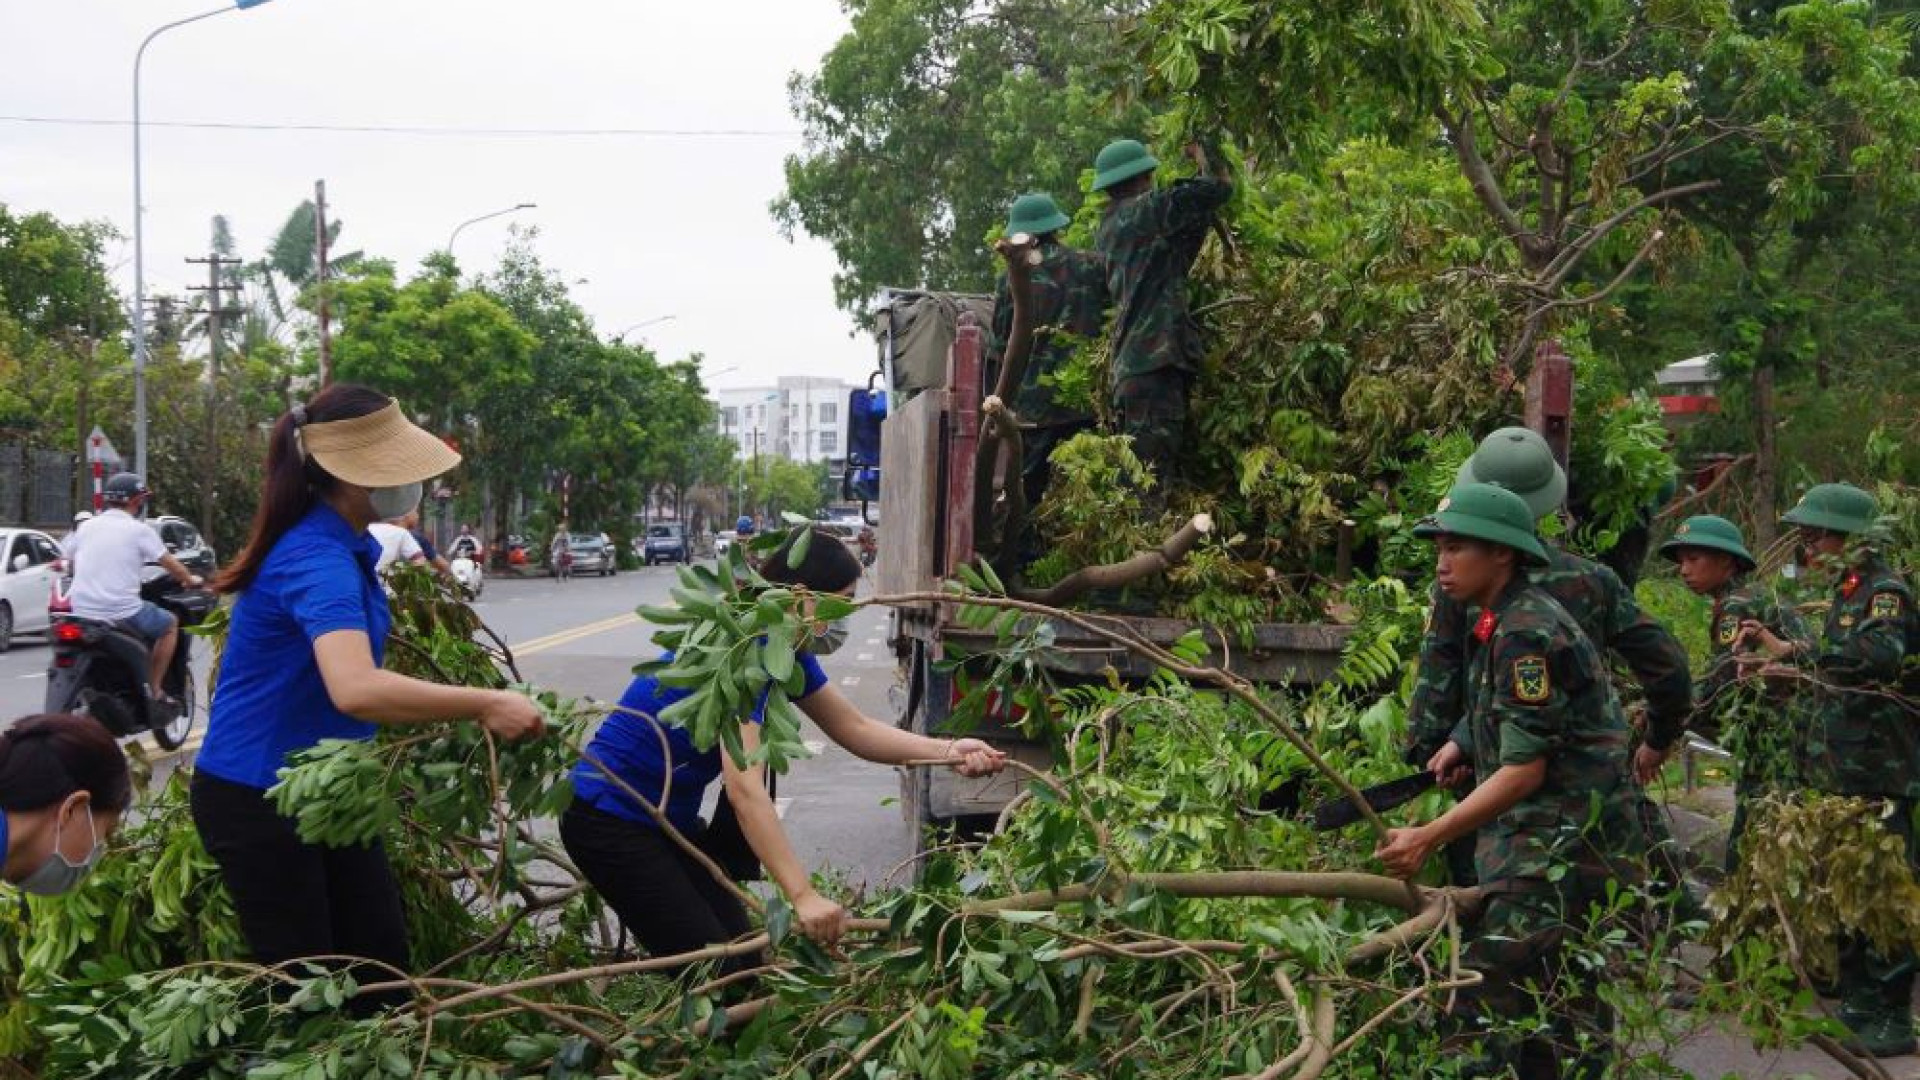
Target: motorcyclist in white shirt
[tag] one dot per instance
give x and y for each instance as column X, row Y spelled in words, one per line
column 107, row 555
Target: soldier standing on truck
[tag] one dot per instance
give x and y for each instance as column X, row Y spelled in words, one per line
column 1520, row 461
column 1068, row 300
column 1150, row 238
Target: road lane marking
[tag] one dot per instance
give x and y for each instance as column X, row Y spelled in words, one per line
column 814, row 746
column 863, row 656
column 32, row 675
column 568, row 637
column 780, row 807
column 850, row 680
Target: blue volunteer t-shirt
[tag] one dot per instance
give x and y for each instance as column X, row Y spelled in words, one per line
column 630, row 746
column 270, row 700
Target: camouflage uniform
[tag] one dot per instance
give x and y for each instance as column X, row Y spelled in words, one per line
column 1865, row 741
column 1068, row 295
column 1760, row 720
column 1610, row 617
column 1535, row 688
column 1150, row 242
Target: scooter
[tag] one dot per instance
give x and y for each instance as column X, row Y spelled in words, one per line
column 468, row 574
column 100, row 668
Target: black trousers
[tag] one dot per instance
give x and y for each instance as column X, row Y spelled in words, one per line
column 668, row 901
column 298, row 899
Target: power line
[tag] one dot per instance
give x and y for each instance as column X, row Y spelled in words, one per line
column 428, row 130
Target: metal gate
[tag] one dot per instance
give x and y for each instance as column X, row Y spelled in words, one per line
column 36, row 486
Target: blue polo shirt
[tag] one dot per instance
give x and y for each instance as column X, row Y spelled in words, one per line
column 270, row 700
column 630, row 746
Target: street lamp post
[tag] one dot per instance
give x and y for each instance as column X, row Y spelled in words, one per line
column 621, row 337
column 514, row 209
column 139, row 246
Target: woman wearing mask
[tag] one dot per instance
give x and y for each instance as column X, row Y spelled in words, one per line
column 670, row 901
column 303, row 663
column 63, row 787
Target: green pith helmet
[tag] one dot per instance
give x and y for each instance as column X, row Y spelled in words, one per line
column 1035, row 215
column 1486, row 512
column 1519, row 460
column 1122, row 159
column 1840, row 508
column 1712, row 533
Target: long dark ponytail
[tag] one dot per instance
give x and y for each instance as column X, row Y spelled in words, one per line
column 293, row 482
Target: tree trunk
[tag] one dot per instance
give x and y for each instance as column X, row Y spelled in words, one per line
column 1765, row 464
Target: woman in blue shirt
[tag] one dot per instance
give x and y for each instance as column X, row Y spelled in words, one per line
column 302, row 664
column 63, row 788
column 666, row 898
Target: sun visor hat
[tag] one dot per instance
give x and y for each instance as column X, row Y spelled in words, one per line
column 380, row 449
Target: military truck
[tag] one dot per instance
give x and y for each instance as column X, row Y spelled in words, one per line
column 932, row 350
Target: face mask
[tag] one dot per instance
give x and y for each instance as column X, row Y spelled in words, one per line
column 828, row 638
column 57, row 875
column 393, row 502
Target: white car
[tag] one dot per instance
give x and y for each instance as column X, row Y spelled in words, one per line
column 27, row 575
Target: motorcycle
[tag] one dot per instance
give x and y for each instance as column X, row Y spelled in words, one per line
column 869, row 547
column 468, row 574
column 100, row 668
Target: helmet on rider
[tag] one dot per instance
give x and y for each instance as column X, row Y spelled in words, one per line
column 123, row 488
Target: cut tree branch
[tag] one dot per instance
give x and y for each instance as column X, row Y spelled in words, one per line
column 1113, row 575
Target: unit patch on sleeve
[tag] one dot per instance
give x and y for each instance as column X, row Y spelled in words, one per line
column 1885, row 605
column 1727, row 629
column 1530, row 681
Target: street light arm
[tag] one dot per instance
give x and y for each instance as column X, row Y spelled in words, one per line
column 481, row 218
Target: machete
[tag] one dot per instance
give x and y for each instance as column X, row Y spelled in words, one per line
column 1339, row 813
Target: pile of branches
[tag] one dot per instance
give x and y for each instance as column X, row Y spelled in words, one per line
column 1141, row 910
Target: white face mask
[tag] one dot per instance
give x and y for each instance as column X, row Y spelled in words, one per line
column 828, row 638
column 57, row 875
column 392, row 502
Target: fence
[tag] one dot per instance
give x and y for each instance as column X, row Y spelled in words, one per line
column 36, row 486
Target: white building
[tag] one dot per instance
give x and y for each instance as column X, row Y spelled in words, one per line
column 802, row 418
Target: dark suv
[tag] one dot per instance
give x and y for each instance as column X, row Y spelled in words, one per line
column 667, row 542
column 185, row 543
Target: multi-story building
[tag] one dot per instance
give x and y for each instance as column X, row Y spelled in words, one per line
column 801, row 418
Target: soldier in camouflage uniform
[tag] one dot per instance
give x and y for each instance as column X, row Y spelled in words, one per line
column 1068, row 298
column 1519, row 460
column 1150, row 239
column 1758, row 720
column 1554, row 808
column 1864, row 739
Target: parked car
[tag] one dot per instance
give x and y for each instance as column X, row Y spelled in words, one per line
column 667, row 542
column 29, row 569
column 722, row 541
column 591, row 555
column 185, row 543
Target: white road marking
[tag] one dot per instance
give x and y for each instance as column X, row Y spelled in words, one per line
column 814, row 746
column 863, row 656
column 873, row 641
column 32, row 675
column 850, row 680
column 780, row 807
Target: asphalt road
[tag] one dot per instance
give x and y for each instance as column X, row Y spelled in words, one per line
column 581, row 637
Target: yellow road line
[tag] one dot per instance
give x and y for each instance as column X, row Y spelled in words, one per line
column 568, row 637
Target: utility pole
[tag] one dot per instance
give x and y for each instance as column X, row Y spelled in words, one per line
column 320, row 253
column 210, row 457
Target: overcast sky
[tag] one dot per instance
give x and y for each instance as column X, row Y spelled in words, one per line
column 656, row 225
